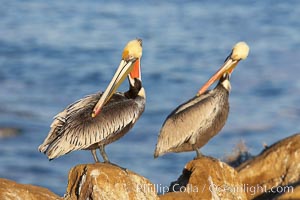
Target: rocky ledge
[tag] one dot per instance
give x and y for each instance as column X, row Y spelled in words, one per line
column 206, row 178
column 273, row 174
column 106, row 181
column 11, row 190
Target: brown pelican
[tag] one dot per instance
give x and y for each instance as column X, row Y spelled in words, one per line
column 192, row 124
column 100, row 119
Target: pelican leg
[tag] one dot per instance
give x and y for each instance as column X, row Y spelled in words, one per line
column 198, row 153
column 103, row 154
column 95, row 155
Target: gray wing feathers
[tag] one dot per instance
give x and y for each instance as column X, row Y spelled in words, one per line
column 57, row 123
column 75, row 129
column 184, row 123
column 60, row 120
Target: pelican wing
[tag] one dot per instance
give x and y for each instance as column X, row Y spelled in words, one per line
column 74, row 128
column 188, row 120
column 61, row 118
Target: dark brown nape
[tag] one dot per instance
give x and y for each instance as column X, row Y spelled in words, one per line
column 140, row 41
column 229, row 56
column 133, row 91
column 224, row 77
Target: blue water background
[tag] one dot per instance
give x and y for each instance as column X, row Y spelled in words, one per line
column 55, row 52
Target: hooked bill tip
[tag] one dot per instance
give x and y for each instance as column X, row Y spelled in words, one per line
column 240, row 51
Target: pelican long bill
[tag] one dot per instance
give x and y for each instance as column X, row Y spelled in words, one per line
column 72, row 129
column 123, row 70
column 239, row 52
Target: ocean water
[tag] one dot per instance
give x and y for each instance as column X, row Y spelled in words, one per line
column 53, row 53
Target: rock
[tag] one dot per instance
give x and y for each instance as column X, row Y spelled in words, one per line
column 206, row 178
column 277, row 166
column 239, row 155
column 175, row 196
column 6, row 132
column 291, row 194
column 107, row 181
column 273, row 174
column 12, row 190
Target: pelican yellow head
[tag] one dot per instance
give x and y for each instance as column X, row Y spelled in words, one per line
column 239, row 52
column 130, row 64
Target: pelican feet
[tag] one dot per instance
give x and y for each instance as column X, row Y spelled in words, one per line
column 105, row 158
column 103, row 154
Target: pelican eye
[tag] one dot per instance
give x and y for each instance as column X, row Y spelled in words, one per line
column 131, row 58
